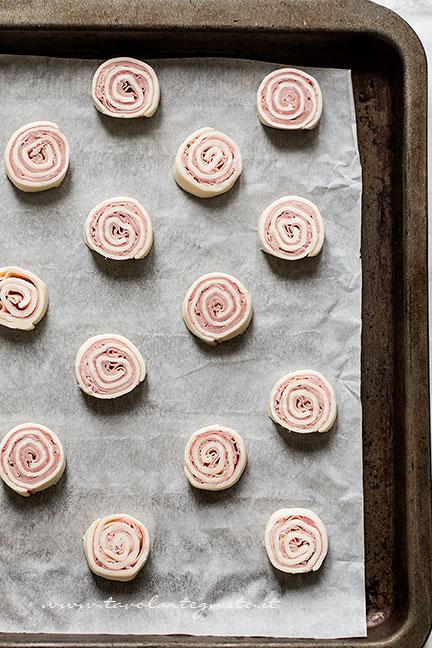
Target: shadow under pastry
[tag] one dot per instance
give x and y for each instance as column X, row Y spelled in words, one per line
column 124, row 268
column 130, row 128
column 49, row 196
column 296, row 270
column 306, row 442
column 19, row 337
column 120, row 405
column 292, row 140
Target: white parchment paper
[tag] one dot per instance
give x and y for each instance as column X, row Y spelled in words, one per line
column 208, row 572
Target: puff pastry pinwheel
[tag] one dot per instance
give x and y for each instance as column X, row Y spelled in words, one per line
column 119, row 228
column 215, row 458
column 291, row 228
column 23, row 298
column 37, row 156
column 125, row 87
column 289, row 99
column 217, row 307
column 296, row 540
column 108, row 366
column 207, row 163
column 116, row 547
column 31, row 458
column 303, row 401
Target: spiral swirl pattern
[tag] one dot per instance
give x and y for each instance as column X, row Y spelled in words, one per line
column 119, row 228
column 31, row 458
column 303, row 401
column 23, row 298
column 217, row 307
column 125, row 87
column 215, row 458
column 37, row 157
column 289, row 99
column 207, row 163
column 108, row 366
column 296, row 540
column 116, row 547
column 291, row 228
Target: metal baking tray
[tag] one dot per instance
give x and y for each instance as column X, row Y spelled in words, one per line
column 389, row 79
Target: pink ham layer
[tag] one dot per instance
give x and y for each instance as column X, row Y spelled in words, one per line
column 200, row 440
column 202, row 166
column 275, row 533
column 135, row 223
column 277, row 214
column 205, row 321
column 141, row 80
column 11, row 462
column 109, row 564
column 31, row 137
column 16, row 296
column 119, row 356
column 302, row 119
column 280, row 395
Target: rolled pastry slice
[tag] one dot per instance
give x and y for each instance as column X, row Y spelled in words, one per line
column 207, row 163
column 291, row 228
column 119, row 228
column 289, row 99
column 108, row 366
column 296, row 540
column 126, row 87
column 303, row 401
column 31, row 458
column 215, row 458
column 116, row 547
column 217, row 307
column 23, row 298
column 37, row 156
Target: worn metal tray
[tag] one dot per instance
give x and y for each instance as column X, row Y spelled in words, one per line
column 389, row 78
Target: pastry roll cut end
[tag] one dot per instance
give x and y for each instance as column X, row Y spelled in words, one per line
column 215, row 458
column 296, row 540
column 23, row 298
column 125, row 88
column 207, row 163
column 217, row 307
column 116, row 547
column 37, row 157
column 120, row 229
column 303, row 402
column 32, row 458
column 109, row 366
column 289, row 99
column 291, row 228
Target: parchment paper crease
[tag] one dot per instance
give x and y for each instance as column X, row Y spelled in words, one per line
column 126, row 456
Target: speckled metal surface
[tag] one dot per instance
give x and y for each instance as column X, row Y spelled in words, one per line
column 389, row 79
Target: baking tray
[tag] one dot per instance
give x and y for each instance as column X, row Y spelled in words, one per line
column 389, row 81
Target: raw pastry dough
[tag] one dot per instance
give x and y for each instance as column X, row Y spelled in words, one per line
column 31, row 458
column 289, row 99
column 119, row 228
column 23, row 298
column 207, row 163
column 296, row 540
column 37, row 156
column 116, row 547
column 126, row 87
column 217, row 307
column 291, row 228
column 303, row 401
column 215, row 458
column 108, row 366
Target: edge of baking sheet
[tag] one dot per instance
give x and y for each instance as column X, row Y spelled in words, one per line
column 342, row 17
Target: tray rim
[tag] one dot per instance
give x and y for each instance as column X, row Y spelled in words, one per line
column 324, row 16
